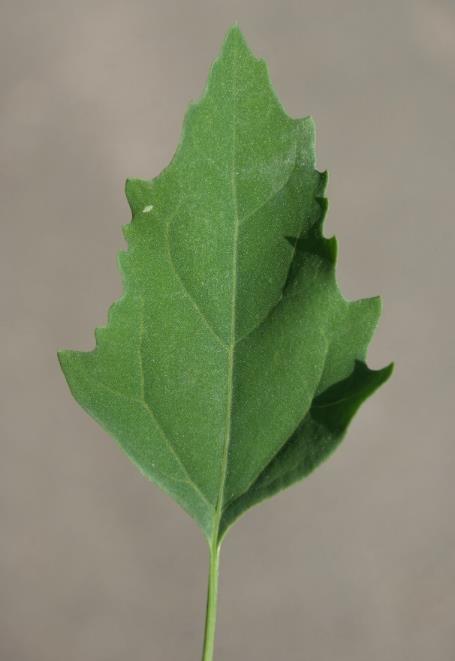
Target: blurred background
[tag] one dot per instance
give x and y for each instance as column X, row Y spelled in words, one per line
column 357, row 562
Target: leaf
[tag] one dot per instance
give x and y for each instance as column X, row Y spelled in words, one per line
column 231, row 366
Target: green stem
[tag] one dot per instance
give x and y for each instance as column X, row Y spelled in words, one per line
column 212, row 599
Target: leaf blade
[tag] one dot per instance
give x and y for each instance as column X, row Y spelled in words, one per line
column 231, row 324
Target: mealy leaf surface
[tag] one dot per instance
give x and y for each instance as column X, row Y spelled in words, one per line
column 231, row 366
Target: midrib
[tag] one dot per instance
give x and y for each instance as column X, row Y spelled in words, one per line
column 231, row 346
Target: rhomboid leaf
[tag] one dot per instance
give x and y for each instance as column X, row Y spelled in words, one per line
column 232, row 365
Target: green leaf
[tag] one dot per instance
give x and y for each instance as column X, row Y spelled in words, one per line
column 231, row 366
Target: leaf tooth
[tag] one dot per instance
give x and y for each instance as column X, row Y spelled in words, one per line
column 138, row 194
column 114, row 309
column 100, row 332
column 126, row 231
column 315, row 244
column 306, row 142
column 123, row 261
column 323, row 181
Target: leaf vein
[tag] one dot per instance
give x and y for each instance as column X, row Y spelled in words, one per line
column 184, row 287
column 164, row 435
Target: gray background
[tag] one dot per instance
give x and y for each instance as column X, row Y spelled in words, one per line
column 356, row 563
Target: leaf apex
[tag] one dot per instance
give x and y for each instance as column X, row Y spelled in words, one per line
column 235, row 44
column 234, row 35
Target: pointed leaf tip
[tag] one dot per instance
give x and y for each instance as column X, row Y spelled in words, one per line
column 235, row 41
